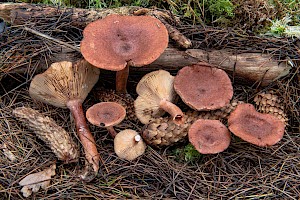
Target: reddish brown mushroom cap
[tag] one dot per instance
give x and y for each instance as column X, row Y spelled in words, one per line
column 111, row 42
column 106, row 114
column 203, row 87
column 209, row 136
column 254, row 127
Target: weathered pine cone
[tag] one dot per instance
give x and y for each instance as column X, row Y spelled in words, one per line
column 163, row 132
column 47, row 130
column 268, row 102
column 126, row 101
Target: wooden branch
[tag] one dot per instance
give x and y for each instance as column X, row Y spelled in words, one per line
column 246, row 67
column 18, row 13
column 22, row 13
column 251, row 67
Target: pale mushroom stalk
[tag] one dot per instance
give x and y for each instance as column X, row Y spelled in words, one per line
column 121, row 79
column 84, row 133
column 175, row 112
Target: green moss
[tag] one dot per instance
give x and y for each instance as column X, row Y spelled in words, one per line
column 187, row 153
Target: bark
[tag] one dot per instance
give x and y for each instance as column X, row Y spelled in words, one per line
column 18, row 13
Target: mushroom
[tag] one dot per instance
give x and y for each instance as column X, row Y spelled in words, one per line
column 254, row 127
column 106, row 114
column 209, row 136
column 117, row 42
column 156, row 94
column 129, row 145
column 203, row 87
column 66, row 85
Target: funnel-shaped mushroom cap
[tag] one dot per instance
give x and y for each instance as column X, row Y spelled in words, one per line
column 106, row 114
column 203, row 87
column 111, row 42
column 209, row 136
column 254, row 127
column 129, row 145
column 152, row 88
column 63, row 81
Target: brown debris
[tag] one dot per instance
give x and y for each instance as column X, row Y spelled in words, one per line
column 268, row 102
column 52, row 134
column 33, row 182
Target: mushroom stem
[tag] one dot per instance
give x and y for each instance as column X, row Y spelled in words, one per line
column 85, row 136
column 121, row 80
column 137, row 138
column 173, row 110
column 112, row 131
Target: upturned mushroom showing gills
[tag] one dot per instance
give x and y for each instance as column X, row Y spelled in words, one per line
column 254, row 127
column 117, row 42
column 203, row 87
column 156, row 94
column 209, row 136
column 106, row 114
column 66, row 85
column 129, row 145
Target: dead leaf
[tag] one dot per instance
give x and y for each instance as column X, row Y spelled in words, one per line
column 33, row 182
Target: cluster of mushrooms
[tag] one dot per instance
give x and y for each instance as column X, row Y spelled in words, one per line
column 119, row 42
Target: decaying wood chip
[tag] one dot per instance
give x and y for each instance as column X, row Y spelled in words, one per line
column 33, row 182
column 9, row 154
column 55, row 136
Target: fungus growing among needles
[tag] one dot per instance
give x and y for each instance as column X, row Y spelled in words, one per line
column 106, row 114
column 117, row 42
column 203, row 87
column 209, row 136
column 129, row 145
column 254, row 127
column 156, row 94
column 66, row 85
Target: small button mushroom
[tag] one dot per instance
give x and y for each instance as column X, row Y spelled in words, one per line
column 117, row 42
column 203, row 87
column 209, row 136
column 106, row 114
column 129, row 145
column 254, row 127
column 156, row 94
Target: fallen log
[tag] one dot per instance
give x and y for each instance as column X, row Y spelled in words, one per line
column 245, row 68
column 18, row 13
column 248, row 67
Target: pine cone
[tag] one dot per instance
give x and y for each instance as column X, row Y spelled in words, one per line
column 126, row 101
column 163, row 132
column 47, row 130
column 269, row 102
